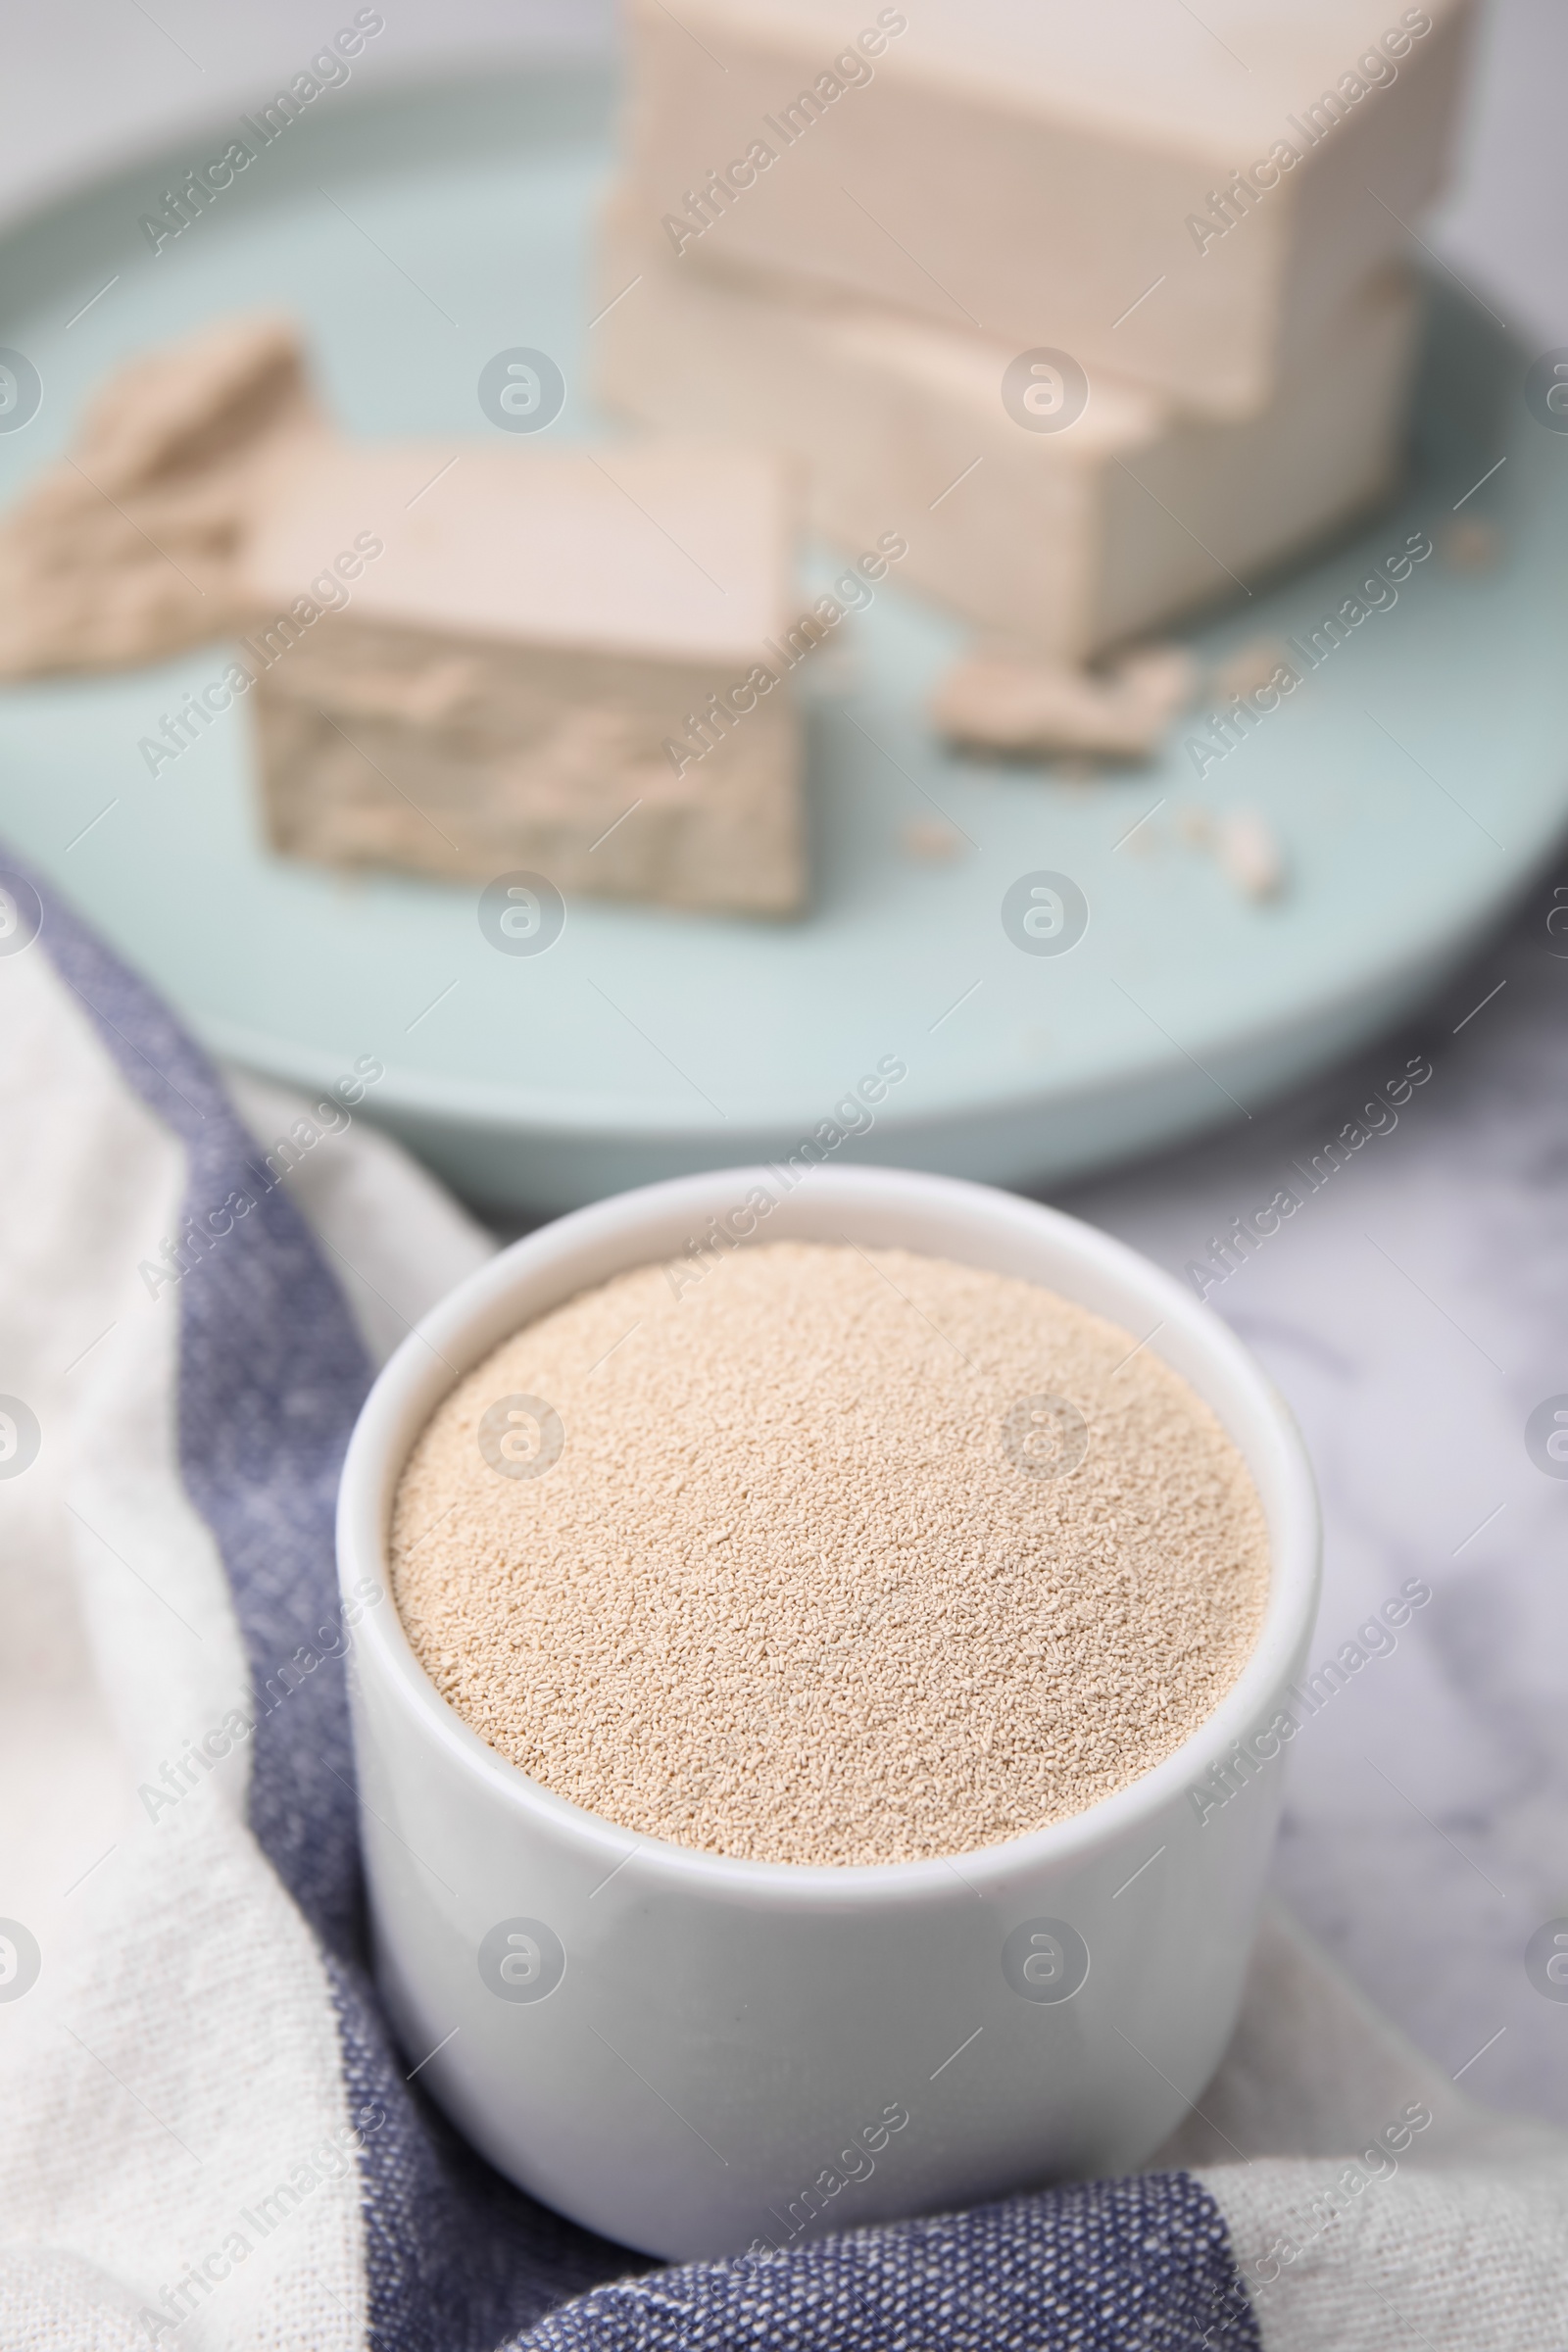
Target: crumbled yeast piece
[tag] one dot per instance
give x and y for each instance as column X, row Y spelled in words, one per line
column 1250, row 853
column 1473, row 544
column 1010, row 703
column 124, row 550
column 931, row 840
column 1249, row 668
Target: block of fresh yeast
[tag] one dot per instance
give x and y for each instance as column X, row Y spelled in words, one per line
column 521, row 672
column 1066, row 541
column 1178, row 195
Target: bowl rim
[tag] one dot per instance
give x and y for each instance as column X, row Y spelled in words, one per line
column 383, row 1649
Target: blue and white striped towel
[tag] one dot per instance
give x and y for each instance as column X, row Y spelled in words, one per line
column 209, row 2138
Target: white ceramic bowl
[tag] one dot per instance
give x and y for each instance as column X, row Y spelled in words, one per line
column 697, row 2055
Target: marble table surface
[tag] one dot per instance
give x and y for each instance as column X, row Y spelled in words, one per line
column 1414, row 1312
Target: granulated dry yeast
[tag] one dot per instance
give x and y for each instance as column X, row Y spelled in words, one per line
column 843, row 1556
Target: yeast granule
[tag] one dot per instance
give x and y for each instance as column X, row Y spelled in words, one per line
column 841, row 1555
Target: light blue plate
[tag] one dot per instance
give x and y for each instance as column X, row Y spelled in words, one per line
column 1415, row 780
